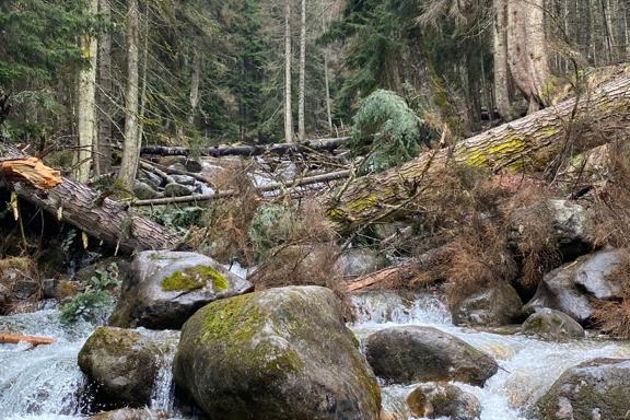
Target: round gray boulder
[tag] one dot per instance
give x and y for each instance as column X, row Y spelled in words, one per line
column 439, row 400
column 410, row 354
column 551, row 324
column 165, row 288
column 278, row 354
column 494, row 307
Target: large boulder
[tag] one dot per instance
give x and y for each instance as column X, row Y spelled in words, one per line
column 440, row 400
column 124, row 364
column 598, row 389
column 571, row 223
column 570, row 287
column 551, row 324
column 410, row 354
column 493, row 307
column 131, row 414
column 165, row 288
column 278, row 354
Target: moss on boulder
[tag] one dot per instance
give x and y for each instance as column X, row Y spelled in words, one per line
column 279, row 354
column 165, row 288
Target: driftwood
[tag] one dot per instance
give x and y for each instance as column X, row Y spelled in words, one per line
column 386, row 276
column 198, row 198
column 529, row 144
column 250, row 150
column 31, row 339
column 87, row 209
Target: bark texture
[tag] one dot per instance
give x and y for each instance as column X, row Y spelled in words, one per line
column 302, row 93
column 86, row 107
column 501, row 68
column 105, row 219
column 131, row 146
column 528, row 144
column 288, row 111
column 104, row 138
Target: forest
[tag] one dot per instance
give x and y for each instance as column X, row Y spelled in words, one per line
column 314, row 210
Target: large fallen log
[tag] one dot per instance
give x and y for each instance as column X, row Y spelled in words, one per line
column 249, row 150
column 526, row 145
column 92, row 212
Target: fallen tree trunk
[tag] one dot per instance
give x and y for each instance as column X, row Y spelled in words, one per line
column 250, row 150
column 75, row 203
column 31, row 339
column 526, row 145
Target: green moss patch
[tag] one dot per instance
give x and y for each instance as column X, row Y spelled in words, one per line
column 195, row 278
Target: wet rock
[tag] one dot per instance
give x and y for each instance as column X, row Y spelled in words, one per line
column 570, row 287
column 279, row 354
column 184, row 179
column 164, row 288
column 411, row 354
column 437, row 400
column 131, row 414
column 551, row 324
column 20, row 287
column 494, row 307
column 177, row 190
column 144, row 191
column 357, row 262
column 598, row 389
column 123, row 364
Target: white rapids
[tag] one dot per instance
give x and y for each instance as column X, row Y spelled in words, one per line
column 45, row 383
column 528, row 366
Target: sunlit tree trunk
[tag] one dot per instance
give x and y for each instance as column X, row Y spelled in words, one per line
column 527, row 50
column 104, row 94
column 195, row 81
column 302, row 95
column 86, row 109
column 288, row 118
column 501, row 70
column 131, row 147
column 328, row 100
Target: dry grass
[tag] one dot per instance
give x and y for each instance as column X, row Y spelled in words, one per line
column 613, row 317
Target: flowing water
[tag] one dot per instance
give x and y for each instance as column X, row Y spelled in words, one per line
column 45, row 383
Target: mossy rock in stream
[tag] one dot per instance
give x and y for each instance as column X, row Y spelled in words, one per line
column 597, row 389
column 278, row 354
column 443, row 400
column 123, row 364
column 131, row 414
column 165, row 288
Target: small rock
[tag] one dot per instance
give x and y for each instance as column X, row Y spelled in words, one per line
column 436, row 400
column 280, row 354
column 598, row 389
column 20, row 287
column 570, row 287
column 494, row 307
column 411, row 354
column 184, row 179
column 551, row 324
column 123, row 364
column 357, row 262
column 164, row 288
column 177, row 190
column 143, row 191
column 153, row 180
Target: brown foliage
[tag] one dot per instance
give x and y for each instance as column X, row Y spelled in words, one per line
column 613, row 317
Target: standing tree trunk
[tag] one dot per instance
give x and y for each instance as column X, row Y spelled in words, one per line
column 328, row 100
column 86, row 108
column 288, row 118
column 103, row 141
column 302, row 96
column 501, row 69
column 195, row 81
column 145, row 67
column 131, row 147
column 527, row 50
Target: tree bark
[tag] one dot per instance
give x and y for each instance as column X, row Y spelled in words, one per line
column 302, row 94
column 501, row 70
column 104, row 138
column 131, row 146
column 86, row 107
column 528, row 144
column 527, row 50
column 105, row 219
column 251, row 150
column 328, row 100
column 288, row 116
column 195, row 81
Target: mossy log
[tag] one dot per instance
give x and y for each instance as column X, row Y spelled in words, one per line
column 75, row 203
column 529, row 144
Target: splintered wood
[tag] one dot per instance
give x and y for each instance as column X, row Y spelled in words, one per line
column 32, row 170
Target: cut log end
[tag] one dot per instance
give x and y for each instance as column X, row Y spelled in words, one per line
column 32, row 170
